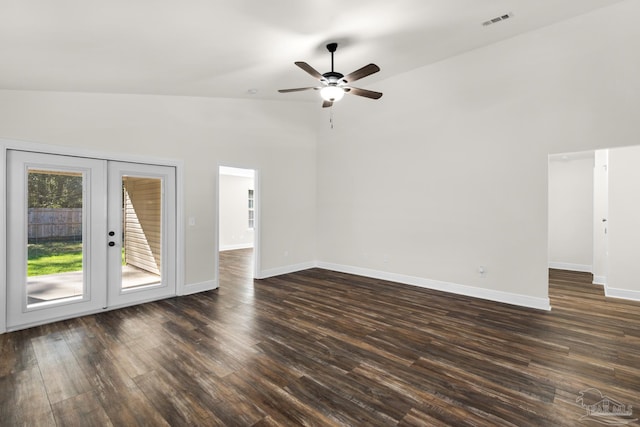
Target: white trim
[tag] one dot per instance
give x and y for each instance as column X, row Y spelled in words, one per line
column 584, row 268
column 180, row 231
column 599, row 280
column 3, row 239
column 622, row 293
column 241, row 172
column 257, row 222
column 471, row 291
column 278, row 271
column 216, row 230
column 236, row 247
column 194, row 288
column 14, row 144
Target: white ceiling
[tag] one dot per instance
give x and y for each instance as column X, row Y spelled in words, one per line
column 224, row 48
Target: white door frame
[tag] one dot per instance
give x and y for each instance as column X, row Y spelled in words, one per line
column 9, row 144
column 257, row 197
column 3, row 239
column 601, row 216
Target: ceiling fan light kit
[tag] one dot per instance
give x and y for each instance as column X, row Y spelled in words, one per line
column 334, row 84
column 332, row 93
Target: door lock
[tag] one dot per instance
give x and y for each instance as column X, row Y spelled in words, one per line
column 112, row 233
column 112, row 243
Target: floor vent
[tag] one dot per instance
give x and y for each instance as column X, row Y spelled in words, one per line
column 497, row 19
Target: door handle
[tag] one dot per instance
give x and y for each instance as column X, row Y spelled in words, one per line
column 112, row 243
column 112, row 233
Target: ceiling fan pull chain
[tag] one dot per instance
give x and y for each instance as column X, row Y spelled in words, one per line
column 331, row 116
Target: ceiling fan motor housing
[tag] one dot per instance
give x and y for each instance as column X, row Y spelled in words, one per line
column 332, row 77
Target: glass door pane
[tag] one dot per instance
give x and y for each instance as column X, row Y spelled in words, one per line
column 55, row 255
column 141, row 231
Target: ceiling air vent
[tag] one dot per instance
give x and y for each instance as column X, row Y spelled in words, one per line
column 497, row 19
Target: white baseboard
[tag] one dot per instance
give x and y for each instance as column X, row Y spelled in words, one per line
column 265, row 274
column 471, row 291
column 199, row 287
column 622, row 293
column 235, row 247
column 599, row 280
column 584, row 268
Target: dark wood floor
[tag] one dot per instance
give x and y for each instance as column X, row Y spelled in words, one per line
column 322, row 348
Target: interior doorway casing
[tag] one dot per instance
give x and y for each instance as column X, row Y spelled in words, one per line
column 7, row 144
column 601, row 217
column 570, row 190
column 3, row 238
column 257, row 220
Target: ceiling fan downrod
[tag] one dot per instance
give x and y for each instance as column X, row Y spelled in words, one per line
column 332, row 77
column 332, row 47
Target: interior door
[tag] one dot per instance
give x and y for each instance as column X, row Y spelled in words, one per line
column 56, row 237
column 85, row 235
column 142, row 233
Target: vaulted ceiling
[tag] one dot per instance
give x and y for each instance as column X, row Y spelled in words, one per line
column 244, row 48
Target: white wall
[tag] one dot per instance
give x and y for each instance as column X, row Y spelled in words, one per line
column 276, row 138
column 448, row 171
column 571, row 193
column 624, row 223
column 234, row 212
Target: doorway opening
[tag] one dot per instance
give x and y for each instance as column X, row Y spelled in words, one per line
column 578, row 213
column 238, row 222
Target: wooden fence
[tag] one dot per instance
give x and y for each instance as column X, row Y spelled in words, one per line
column 55, row 224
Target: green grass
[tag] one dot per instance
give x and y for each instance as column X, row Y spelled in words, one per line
column 54, row 257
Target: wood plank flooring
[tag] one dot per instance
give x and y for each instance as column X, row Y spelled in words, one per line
column 319, row 348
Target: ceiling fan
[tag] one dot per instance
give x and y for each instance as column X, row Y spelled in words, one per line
column 334, row 84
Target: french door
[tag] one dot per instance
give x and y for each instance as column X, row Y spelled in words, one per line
column 86, row 234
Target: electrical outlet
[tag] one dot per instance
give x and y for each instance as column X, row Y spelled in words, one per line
column 482, row 271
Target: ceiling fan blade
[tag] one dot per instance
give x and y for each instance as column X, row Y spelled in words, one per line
column 365, row 71
column 326, row 104
column 309, row 69
column 364, row 92
column 297, row 89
